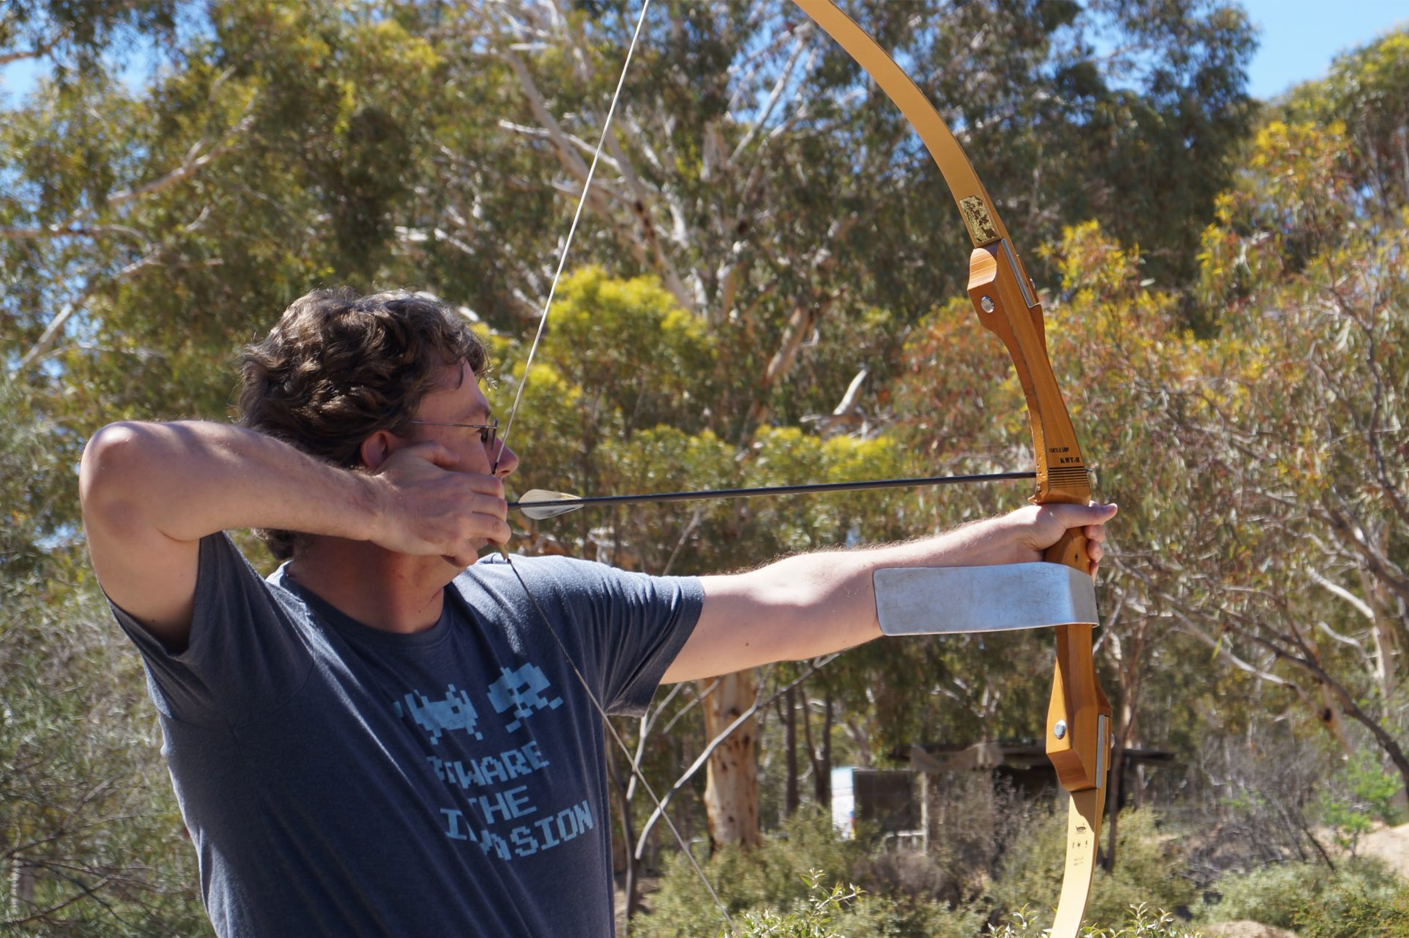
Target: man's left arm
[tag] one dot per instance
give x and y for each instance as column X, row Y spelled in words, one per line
column 817, row 603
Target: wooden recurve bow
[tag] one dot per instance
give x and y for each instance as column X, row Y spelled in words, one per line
column 1005, row 299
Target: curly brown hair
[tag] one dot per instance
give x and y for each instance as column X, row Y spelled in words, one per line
column 338, row 367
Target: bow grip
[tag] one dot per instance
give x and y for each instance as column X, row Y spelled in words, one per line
column 1078, row 715
column 1070, row 550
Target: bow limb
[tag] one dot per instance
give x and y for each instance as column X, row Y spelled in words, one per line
column 1078, row 717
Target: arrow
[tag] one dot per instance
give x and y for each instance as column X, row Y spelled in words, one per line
column 541, row 504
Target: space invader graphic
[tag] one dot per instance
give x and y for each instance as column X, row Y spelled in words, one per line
column 521, row 690
column 455, row 712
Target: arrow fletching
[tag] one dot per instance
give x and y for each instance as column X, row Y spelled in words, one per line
column 554, row 504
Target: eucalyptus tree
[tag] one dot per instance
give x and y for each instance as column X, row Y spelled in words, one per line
column 1310, row 412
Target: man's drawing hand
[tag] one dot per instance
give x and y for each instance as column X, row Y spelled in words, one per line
column 427, row 507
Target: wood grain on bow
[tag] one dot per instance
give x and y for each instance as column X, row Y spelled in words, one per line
column 1005, row 299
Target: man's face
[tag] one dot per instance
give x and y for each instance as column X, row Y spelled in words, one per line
column 458, row 399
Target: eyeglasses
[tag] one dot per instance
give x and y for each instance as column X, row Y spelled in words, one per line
column 487, row 431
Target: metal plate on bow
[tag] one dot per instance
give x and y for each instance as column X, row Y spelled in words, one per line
column 945, row 600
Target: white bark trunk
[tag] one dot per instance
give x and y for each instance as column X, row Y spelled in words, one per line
column 731, row 786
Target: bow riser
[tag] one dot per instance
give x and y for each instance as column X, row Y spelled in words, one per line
column 1076, row 734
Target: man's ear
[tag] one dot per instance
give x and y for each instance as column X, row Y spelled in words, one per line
column 377, row 449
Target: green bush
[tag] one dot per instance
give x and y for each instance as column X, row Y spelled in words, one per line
column 1361, row 793
column 1296, row 895
column 1355, row 910
column 847, row 911
column 91, row 841
column 813, row 919
column 771, row 876
column 1149, row 872
column 1138, row 922
column 780, row 886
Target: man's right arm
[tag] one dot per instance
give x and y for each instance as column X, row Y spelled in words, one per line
column 151, row 491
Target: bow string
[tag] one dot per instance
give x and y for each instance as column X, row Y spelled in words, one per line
column 1006, row 302
column 503, row 445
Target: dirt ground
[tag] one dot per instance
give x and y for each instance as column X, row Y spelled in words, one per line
column 1390, row 844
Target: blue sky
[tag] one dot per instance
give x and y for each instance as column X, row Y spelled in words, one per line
column 1301, row 37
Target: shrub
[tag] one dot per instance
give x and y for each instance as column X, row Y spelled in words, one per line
column 1353, row 909
column 1149, row 873
column 774, row 874
column 1304, row 896
column 1361, row 897
column 1137, row 923
column 780, row 886
column 784, row 886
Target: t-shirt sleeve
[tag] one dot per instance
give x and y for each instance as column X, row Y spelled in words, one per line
column 650, row 619
column 622, row 628
column 245, row 656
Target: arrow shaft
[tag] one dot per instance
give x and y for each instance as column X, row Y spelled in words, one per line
column 812, row 488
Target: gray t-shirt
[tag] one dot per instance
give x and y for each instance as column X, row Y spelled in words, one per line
column 341, row 780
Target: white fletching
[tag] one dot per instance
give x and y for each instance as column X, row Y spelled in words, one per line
column 550, row 510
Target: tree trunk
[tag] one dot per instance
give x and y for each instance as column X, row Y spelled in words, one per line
column 21, row 887
column 731, row 785
column 1113, row 803
column 821, row 760
column 1379, row 600
column 1125, row 732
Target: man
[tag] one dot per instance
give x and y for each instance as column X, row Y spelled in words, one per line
column 384, row 738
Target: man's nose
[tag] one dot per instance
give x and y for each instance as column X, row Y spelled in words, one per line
column 506, row 461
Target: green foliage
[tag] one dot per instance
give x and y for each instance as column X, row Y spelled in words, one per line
column 1137, row 922
column 813, row 918
column 1150, row 871
column 36, row 495
column 644, row 324
column 777, row 877
column 93, row 843
column 847, row 912
column 80, row 36
column 1365, row 92
column 1311, row 898
column 779, row 885
column 775, row 874
column 1141, row 140
column 1361, row 794
column 1355, row 912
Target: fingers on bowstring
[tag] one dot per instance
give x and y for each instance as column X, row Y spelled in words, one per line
column 490, row 487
